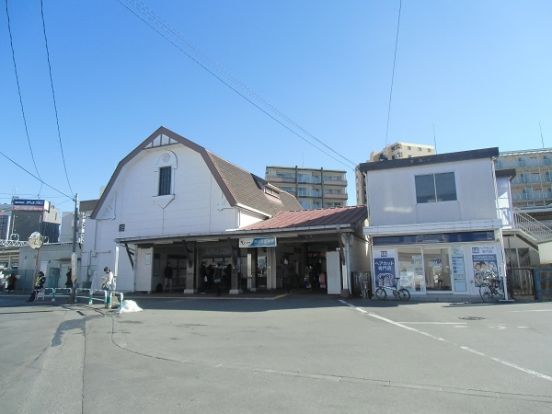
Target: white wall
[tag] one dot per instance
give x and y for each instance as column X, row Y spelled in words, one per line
column 504, row 201
column 197, row 205
column 391, row 194
column 360, row 259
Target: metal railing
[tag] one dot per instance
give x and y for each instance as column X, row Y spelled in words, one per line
column 534, row 228
column 66, row 292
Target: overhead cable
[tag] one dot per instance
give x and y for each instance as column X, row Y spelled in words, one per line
column 393, row 71
column 20, row 95
column 35, row 177
column 154, row 22
column 54, row 94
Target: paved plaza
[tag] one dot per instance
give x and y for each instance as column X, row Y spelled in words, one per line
column 299, row 354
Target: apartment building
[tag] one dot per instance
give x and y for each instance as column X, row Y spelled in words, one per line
column 313, row 187
column 400, row 150
column 532, row 185
column 396, row 151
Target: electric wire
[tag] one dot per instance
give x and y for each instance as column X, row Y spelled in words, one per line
column 160, row 27
column 20, row 95
column 393, row 72
column 54, row 95
column 35, row 177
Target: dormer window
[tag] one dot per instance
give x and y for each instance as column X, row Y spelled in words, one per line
column 272, row 191
column 165, row 181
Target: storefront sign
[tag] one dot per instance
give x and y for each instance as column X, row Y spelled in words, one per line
column 472, row 236
column 458, row 270
column 28, row 205
column 256, row 242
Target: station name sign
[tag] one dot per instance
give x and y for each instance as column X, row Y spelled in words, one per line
column 25, row 204
column 256, row 242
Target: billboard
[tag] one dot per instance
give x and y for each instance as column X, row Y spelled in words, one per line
column 28, row 205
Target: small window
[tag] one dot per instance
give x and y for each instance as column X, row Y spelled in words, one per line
column 121, row 227
column 164, row 181
column 432, row 188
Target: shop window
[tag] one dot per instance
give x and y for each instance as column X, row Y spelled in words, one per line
column 431, row 188
column 164, row 180
column 437, row 269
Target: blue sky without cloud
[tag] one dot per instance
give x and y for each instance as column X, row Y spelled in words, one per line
column 478, row 71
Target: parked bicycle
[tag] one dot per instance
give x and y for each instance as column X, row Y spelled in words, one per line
column 364, row 281
column 398, row 292
column 491, row 288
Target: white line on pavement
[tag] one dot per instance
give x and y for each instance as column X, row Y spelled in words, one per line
column 434, row 323
column 464, row 348
column 532, row 310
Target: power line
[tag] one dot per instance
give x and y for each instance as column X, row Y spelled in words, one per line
column 35, row 177
column 393, row 71
column 148, row 17
column 54, row 94
column 20, row 95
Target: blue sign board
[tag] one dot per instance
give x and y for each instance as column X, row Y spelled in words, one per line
column 384, row 269
column 256, row 242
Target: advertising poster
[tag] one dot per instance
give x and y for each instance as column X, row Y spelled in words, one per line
column 485, row 263
column 384, row 269
column 458, row 270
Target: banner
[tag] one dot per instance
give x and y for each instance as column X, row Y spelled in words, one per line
column 384, row 269
column 485, row 263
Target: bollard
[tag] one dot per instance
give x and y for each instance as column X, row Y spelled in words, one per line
column 537, row 284
column 108, row 298
column 53, row 294
column 90, row 296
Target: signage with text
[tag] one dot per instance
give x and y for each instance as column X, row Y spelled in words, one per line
column 256, row 242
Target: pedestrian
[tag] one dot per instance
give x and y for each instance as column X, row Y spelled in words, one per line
column 203, row 277
column 38, row 285
column 12, row 279
column 108, row 281
column 168, row 278
column 218, row 279
column 69, row 281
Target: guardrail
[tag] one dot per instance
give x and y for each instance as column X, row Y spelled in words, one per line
column 107, row 299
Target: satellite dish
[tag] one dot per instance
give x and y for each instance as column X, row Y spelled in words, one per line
column 35, row 240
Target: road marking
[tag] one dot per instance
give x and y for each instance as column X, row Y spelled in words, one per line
column 532, row 310
column 473, row 351
column 434, row 323
column 462, row 347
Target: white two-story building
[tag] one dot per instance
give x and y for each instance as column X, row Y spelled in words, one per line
column 170, row 203
column 435, row 221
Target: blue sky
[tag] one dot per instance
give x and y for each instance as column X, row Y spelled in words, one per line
column 479, row 71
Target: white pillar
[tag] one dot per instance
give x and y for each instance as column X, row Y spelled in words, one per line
column 347, row 290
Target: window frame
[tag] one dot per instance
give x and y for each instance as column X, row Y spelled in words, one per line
column 439, row 191
column 164, row 184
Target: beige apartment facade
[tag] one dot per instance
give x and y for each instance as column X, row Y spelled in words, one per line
column 314, row 188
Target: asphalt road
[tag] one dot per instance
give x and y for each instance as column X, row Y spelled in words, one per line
column 298, row 354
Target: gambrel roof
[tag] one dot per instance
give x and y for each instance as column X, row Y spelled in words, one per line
column 240, row 187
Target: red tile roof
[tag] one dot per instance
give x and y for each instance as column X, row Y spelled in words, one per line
column 310, row 218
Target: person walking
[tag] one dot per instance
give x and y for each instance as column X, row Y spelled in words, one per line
column 69, row 281
column 12, row 279
column 108, row 285
column 168, row 278
column 39, row 282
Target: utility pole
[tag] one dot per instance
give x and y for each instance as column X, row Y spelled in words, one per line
column 74, row 273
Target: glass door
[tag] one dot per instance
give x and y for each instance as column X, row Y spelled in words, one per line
column 411, row 270
column 437, row 269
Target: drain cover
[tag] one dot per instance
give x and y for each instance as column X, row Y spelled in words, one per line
column 471, row 318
